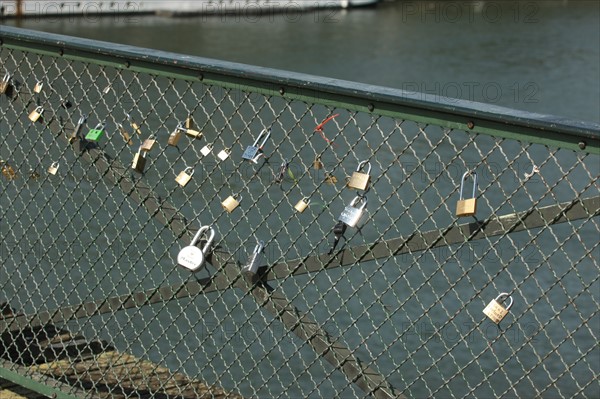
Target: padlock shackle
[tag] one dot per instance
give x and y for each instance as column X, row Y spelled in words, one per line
column 6, row 77
column 260, row 246
column 266, row 133
column 505, row 295
column 100, row 126
column 40, row 108
column 209, row 241
column 462, row 183
column 361, row 164
column 363, row 199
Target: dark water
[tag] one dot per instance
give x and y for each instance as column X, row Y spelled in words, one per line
column 540, row 56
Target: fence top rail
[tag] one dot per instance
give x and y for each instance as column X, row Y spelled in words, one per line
column 358, row 96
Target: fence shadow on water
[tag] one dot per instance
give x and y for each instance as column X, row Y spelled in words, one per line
column 396, row 310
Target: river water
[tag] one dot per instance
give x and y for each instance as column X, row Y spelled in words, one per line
column 540, row 56
column 537, row 56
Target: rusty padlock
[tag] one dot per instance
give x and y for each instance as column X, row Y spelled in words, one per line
column 317, row 164
column 495, row 311
column 467, row 207
column 124, row 134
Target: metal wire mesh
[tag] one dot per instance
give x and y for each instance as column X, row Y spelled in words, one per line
column 402, row 295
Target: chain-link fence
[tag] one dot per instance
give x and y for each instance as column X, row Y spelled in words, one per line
column 90, row 246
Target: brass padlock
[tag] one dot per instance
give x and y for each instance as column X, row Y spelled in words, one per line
column 139, row 161
column 223, row 155
column 124, row 134
column 4, row 83
column 467, row 207
column 148, row 144
column 317, row 164
column 193, row 133
column 134, row 125
column 184, row 177
column 175, row 136
column 302, row 205
column 330, row 178
column 231, row 203
column 53, row 168
column 36, row 113
column 189, row 123
column 495, row 311
column 38, row 87
column 205, row 150
column 359, row 180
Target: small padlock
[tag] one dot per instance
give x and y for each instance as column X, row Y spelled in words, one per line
column 254, row 151
column 4, row 83
column 189, row 123
column 134, row 125
column 124, row 134
column 8, row 171
column 148, row 144
column 36, row 113
column 352, row 214
column 139, row 161
column 223, row 155
column 193, row 133
column 317, row 164
column 467, row 207
column 33, row 174
column 96, row 133
column 53, row 168
column 184, row 177
column 302, row 205
column 175, row 136
column 495, row 311
column 38, row 87
column 254, row 260
column 191, row 257
column 205, row 150
column 330, row 178
column 231, row 203
column 359, row 180
column 77, row 128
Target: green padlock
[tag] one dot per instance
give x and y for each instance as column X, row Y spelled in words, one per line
column 96, row 133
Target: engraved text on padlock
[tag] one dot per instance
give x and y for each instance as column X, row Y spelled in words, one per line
column 352, row 214
column 495, row 311
column 191, row 257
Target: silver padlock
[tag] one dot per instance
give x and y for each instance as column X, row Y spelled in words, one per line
column 254, row 260
column 77, row 128
column 254, row 151
column 192, row 257
column 495, row 311
column 223, row 154
column 205, row 150
column 53, row 169
column 352, row 214
column 4, row 83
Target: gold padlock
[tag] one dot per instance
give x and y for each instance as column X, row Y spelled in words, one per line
column 495, row 311
column 467, row 207
column 38, row 87
column 53, row 168
column 189, row 123
column 359, row 180
column 148, row 144
column 231, row 203
column 184, row 177
column 302, row 205
column 36, row 113
column 175, row 136
column 139, row 161
column 4, row 83
column 193, row 133
column 223, row 155
column 124, row 134
column 317, row 164
column 8, row 171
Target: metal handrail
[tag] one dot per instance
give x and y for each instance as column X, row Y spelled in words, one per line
column 421, row 107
